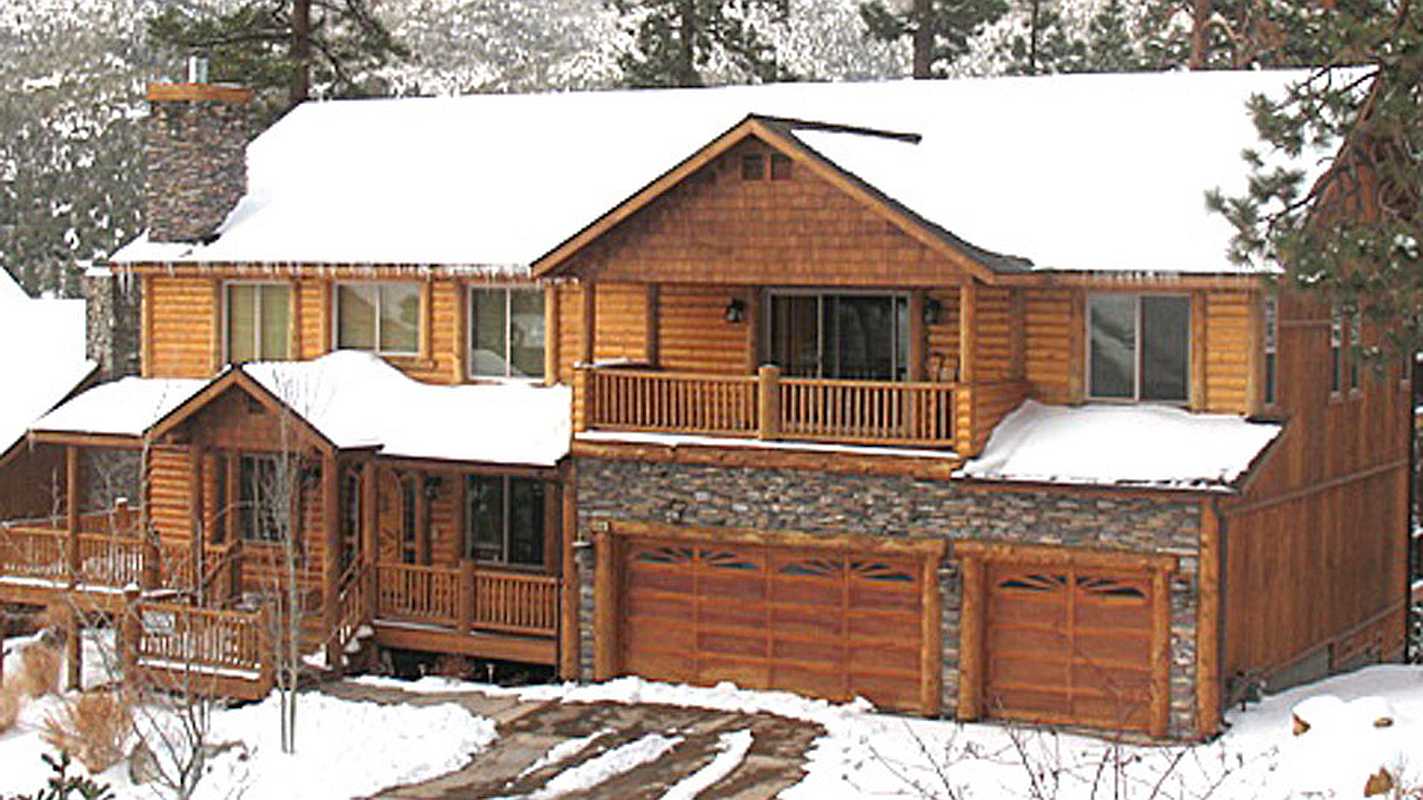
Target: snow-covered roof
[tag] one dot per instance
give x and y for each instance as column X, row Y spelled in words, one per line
column 125, row 407
column 1072, row 172
column 41, row 356
column 1120, row 445
column 356, row 400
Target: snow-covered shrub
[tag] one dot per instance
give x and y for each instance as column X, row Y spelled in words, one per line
column 93, row 727
column 39, row 670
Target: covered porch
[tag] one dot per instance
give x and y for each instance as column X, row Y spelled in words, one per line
column 246, row 503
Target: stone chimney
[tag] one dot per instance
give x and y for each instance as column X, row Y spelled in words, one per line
column 195, row 148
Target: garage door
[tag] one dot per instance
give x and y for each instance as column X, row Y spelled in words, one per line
column 824, row 623
column 1068, row 645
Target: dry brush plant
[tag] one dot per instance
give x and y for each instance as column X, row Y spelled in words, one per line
column 9, row 706
column 94, row 727
column 39, row 670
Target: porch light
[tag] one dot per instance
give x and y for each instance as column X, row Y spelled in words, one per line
column 735, row 310
column 933, row 310
column 432, row 486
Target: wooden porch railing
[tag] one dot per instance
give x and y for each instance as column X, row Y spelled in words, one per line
column 110, row 560
column 671, row 401
column 29, row 552
column 467, row 598
column 867, row 412
column 178, row 642
column 351, row 603
column 767, row 406
column 418, row 594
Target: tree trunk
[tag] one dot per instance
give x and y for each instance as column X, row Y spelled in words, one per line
column 300, row 53
column 923, row 39
column 686, row 62
column 1200, row 31
column 1033, row 33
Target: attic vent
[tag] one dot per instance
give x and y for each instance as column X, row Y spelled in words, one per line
column 753, row 167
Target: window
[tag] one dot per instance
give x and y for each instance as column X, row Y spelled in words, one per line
column 1272, row 339
column 1356, row 347
column 506, row 333
column 260, row 505
column 780, row 167
column 504, row 520
column 1336, row 342
column 753, row 167
column 380, row 317
column 258, row 322
column 845, row 336
column 1138, row 347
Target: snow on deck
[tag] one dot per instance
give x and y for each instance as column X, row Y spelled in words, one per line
column 125, row 407
column 1080, row 156
column 1113, row 445
column 356, row 399
column 42, row 356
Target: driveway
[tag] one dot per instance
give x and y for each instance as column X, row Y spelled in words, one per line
column 595, row 747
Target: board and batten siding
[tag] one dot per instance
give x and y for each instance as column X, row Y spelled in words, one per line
column 1315, row 549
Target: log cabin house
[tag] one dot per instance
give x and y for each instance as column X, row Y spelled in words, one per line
column 938, row 393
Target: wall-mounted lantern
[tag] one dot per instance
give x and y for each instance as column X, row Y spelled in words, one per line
column 933, row 311
column 735, row 310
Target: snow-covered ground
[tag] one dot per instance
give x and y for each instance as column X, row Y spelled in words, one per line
column 344, row 748
column 361, row 747
column 867, row 754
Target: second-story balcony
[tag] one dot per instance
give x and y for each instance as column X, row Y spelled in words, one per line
column 770, row 406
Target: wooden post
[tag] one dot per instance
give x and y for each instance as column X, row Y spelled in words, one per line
column 331, row 557
column 130, row 628
column 152, row 573
column 552, row 325
column 653, row 347
column 931, row 658
column 1208, row 633
column 1160, row 653
column 268, row 672
column 422, row 520
column 971, row 641
column 588, row 341
column 370, row 534
column 293, row 318
column 582, row 398
column 466, row 599
column 968, row 324
column 459, row 333
column 195, row 515
column 71, row 500
column 769, row 391
column 605, row 608
column 755, row 303
column 1076, row 346
column 569, row 592
column 234, row 569
column 123, row 516
column 232, row 476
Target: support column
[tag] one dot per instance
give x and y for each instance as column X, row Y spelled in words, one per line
column 605, row 608
column 331, row 557
column 971, row 641
column 370, row 539
column 422, row 520
column 552, row 324
column 568, row 655
column 769, row 399
column 197, row 539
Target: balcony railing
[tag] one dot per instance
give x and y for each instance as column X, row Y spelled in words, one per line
column 767, row 406
column 468, row 599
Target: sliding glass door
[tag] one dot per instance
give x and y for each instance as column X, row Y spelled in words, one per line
column 841, row 336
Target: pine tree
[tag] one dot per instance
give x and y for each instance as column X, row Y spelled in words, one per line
column 1353, row 233
column 941, row 30
column 1042, row 44
column 290, row 46
column 681, row 42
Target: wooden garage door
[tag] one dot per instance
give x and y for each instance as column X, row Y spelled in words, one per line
column 818, row 622
column 1069, row 645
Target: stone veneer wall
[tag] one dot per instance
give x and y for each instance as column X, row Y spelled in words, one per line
column 813, row 502
column 112, row 321
column 195, row 153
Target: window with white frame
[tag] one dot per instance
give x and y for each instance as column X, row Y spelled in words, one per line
column 506, row 332
column 380, row 317
column 1272, row 343
column 258, row 321
column 1138, row 347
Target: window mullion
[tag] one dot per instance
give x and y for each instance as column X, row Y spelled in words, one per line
column 508, row 332
column 257, row 323
column 504, row 520
column 1140, row 364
